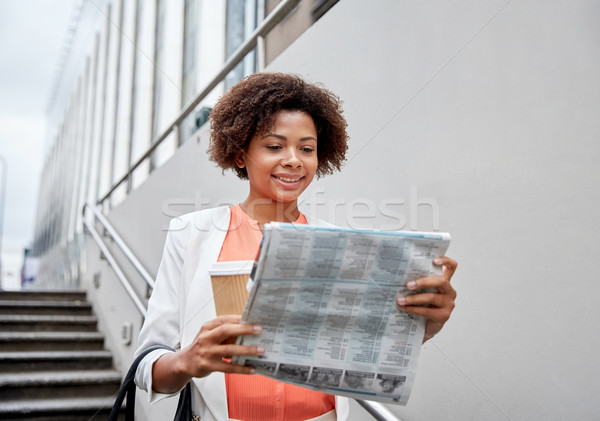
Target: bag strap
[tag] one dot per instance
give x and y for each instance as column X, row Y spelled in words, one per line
column 184, row 406
column 128, row 387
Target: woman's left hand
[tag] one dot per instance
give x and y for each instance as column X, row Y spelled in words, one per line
column 435, row 306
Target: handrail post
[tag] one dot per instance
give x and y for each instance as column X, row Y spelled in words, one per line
column 261, row 53
column 177, row 134
column 129, row 182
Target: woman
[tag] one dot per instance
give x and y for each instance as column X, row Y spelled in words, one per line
column 278, row 132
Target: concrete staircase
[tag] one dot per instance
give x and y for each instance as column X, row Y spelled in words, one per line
column 52, row 362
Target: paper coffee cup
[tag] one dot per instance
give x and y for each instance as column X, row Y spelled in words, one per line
column 229, row 280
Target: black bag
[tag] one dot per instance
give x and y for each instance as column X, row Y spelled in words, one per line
column 184, row 407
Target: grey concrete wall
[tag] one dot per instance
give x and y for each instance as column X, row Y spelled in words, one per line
column 491, row 109
column 475, row 117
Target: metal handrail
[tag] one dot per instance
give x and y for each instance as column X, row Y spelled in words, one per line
column 113, row 263
column 108, row 228
column 276, row 16
column 379, row 412
column 149, row 279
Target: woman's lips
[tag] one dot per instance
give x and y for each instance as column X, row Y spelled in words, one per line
column 289, row 181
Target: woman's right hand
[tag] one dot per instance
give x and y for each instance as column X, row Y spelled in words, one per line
column 216, row 342
column 212, row 346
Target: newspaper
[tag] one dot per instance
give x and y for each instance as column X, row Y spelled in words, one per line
column 326, row 299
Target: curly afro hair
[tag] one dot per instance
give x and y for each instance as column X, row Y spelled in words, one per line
column 250, row 107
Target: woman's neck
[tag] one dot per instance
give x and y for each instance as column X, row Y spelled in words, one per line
column 267, row 210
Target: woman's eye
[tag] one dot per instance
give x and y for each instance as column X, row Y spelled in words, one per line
column 308, row 150
column 273, row 147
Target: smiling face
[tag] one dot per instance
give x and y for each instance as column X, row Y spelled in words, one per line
column 282, row 161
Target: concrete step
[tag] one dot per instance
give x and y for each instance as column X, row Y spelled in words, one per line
column 51, row 341
column 67, row 308
column 45, row 323
column 52, row 363
column 65, row 409
column 20, row 362
column 58, row 384
column 28, row 295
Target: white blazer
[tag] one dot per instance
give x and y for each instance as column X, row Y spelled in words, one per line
column 182, row 301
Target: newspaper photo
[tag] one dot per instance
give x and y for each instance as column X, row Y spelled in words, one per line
column 326, row 299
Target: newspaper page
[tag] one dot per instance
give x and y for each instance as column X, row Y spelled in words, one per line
column 326, row 299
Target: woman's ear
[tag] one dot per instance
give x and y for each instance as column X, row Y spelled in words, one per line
column 239, row 161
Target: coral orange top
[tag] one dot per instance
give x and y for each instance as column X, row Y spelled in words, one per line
column 255, row 397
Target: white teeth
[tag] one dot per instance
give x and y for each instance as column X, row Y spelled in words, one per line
column 289, row 180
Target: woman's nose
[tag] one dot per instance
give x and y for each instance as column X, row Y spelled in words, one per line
column 291, row 158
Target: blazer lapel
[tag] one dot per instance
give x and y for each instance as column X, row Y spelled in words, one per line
column 199, row 303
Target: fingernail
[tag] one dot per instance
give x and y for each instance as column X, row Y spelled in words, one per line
column 411, row 285
column 438, row 261
column 401, row 301
column 260, row 350
column 257, row 328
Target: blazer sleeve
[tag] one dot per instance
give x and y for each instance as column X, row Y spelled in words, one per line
column 162, row 320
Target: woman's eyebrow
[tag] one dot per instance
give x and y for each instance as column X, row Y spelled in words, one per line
column 282, row 137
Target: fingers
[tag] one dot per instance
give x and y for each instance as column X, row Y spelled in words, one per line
column 437, row 315
column 221, row 320
column 436, row 308
column 433, row 297
column 228, row 327
column 449, row 266
column 226, row 367
column 231, row 350
column 215, row 343
column 444, row 297
column 439, row 283
column 426, row 299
